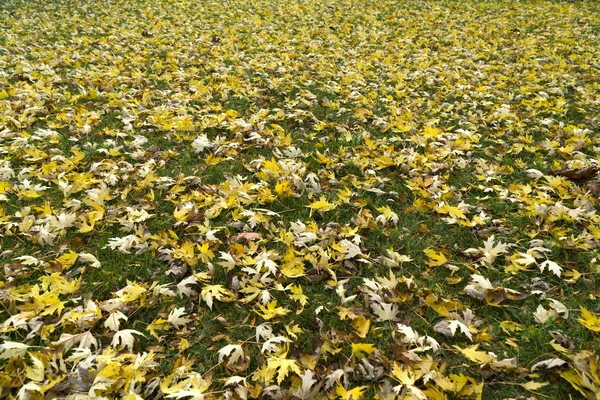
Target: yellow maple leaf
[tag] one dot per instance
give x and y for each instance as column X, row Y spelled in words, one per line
column 435, row 258
column 35, row 372
column 181, row 213
column 298, row 296
column 59, row 285
column 284, row 189
column 510, row 326
column 186, row 253
column 206, row 254
column 210, row 292
column 354, row 394
column 361, row 325
column 405, row 375
column 293, row 330
column 442, row 306
column 51, row 303
column 158, row 325
column 90, row 222
column 344, row 194
column 271, row 311
column 68, row 259
column 454, row 212
column 479, row 357
column 360, row 349
column 211, row 160
column 589, row 320
column 292, row 266
column 429, row 132
column 387, row 215
column 533, row 385
column 322, row 205
column 283, row 366
column 131, row 292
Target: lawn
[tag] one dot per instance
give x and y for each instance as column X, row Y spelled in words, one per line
column 299, row 199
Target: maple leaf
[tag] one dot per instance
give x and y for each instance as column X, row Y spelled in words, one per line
column 394, row 259
column 552, row 266
column 340, row 290
column 26, row 389
column 87, row 257
column 478, row 287
column 218, row 292
column 228, row 261
column 10, row 349
column 264, row 331
column 284, row 189
column 360, row 349
column 186, row 253
column 532, row 385
column 183, row 287
column 249, row 236
column 176, row 317
column 29, row 260
column 361, row 325
column 131, row 292
column 353, row 394
column 407, row 378
column 322, row 205
column 123, row 244
column 490, row 251
column 549, row 364
column 36, row 371
column 293, row 267
column 62, row 221
column 270, row 345
column 525, row 259
column 271, row 311
column 298, row 295
column 385, row 311
column 541, row 315
column 435, row 258
column 125, row 338
column 334, row 378
column 86, row 340
column 589, row 320
column 479, row 357
column 559, row 308
column 113, row 320
column 235, row 380
column 417, row 343
column 456, row 213
column 449, row 328
column 283, row 366
column 157, row 325
column 68, row 259
column 387, row 215
column 201, row 143
column 293, row 330
column 233, row 352
column 306, row 390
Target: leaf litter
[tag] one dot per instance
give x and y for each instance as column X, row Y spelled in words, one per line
column 299, row 199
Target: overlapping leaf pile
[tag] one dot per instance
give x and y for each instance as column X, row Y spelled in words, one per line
column 299, row 199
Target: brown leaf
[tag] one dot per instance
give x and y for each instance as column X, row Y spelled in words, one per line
column 594, row 187
column 249, row 236
column 495, row 296
column 576, row 173
column 562, row 339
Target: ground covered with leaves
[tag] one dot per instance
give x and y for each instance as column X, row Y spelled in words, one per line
column 298, row 199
